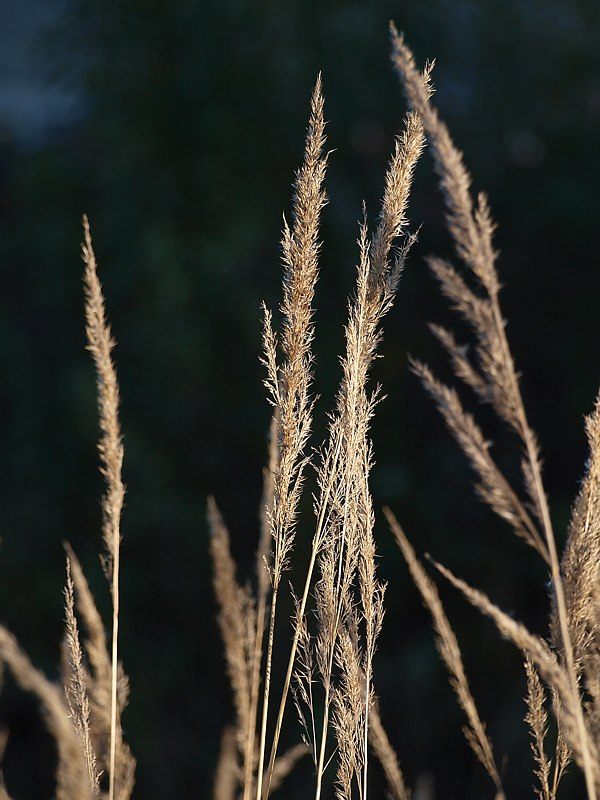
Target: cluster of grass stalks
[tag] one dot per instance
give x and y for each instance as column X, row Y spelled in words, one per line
column 339, row 602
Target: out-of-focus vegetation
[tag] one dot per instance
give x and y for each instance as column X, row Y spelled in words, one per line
column 190, row 127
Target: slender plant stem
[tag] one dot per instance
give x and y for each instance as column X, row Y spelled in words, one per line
column 366, row 730
column 265, row 710
column 114, row 667
column 288, row 675
column 321, row 767
column 301, row 611
column 250, row 733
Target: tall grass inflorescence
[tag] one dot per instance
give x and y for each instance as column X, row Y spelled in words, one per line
column 339, row 602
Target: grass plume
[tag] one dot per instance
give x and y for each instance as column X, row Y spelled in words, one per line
column 494, row 378
column 329, row 655
column 110, row 450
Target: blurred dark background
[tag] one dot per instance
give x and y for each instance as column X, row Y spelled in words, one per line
column 177, row 128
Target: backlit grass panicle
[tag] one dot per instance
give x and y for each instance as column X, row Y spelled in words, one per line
column 580, row 569
column 94, row 642
column 343, row 540
column 226, row 774
column 263, row 589
column 76, row 682
column 537, row 719
column 562, row 753
column 494, row 378
column 339, row 607
column 471, row 226
column 492, row 486
column 392, row 220
column 568, row 708
column 72, row 777
column 449, row 650
column 110, row 450
column 110, row 446
column 289, row 382
column 581, row 562
column 97, row 675
column 349, row 710
column 236, row 621
column 386, row 755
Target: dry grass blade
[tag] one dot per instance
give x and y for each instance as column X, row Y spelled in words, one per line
column 386, row 756
column 72, row 781
column 110, row 449
column 555, row 675
column 449, row 650
column 75, row 685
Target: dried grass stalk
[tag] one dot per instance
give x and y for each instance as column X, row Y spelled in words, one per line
column 95, row 639
column 72, row 778
column 343, row 539
column 236, row 620
column 581, row 565
column 289, row 382
column 378, row 739
column 121, row 765
column 493, row 488
column 97, row 676
column 537, row 719
column 75, row 685
column 264, row 584
column 348, row 711
column 449, row 650
column 550, row 669
column 496, row 379
column 110, row 450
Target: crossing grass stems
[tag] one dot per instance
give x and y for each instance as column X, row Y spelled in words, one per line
column 339, row 603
